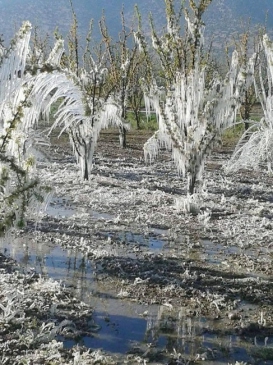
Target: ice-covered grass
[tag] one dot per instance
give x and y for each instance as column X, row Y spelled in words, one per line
column 33, row 312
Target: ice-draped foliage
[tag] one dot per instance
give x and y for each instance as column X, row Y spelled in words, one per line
column 18, row 182
column 27, row 91
column 13, row 64
column 255, row 148
column 192, row 115
column 103, row 108
column 82, row 116
column 20, row 109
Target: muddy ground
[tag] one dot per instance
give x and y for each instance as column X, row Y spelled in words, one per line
column 210, row 273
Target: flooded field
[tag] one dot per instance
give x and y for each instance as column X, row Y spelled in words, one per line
column 165, row 287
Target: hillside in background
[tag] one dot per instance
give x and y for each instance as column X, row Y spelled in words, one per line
column 222, row 18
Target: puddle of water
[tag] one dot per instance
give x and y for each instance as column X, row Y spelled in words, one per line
column 102, row 216
column 121, row 334
column 212, row 248
column 217, row 254
column 50, row 260
column 117, row 333
column 119, row 321
column 59, row 208
column 123, row 325
column 151, row 241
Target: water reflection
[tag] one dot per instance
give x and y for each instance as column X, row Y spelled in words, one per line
column 72, row 268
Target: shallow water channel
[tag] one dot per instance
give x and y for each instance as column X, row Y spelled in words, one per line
column 120, row 326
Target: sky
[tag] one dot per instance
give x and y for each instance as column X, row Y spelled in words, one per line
column 49, row 14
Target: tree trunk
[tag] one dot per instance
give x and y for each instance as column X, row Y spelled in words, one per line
column 245, row 110
column 246, row 125
column 191, row 182
column 122, row 137
column 138, row 119
column 86, row 174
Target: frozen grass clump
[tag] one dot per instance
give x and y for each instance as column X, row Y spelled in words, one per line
column 33, row 311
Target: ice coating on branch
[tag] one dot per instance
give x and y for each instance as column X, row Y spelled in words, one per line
column 81, row 116
column 196, row 30
column 18, row 182
column 54, row 58
column 12, row 91
column 192, row 116
column 47, row 89
column 255, row 148
column 268, row 47
column 12, row 66
column 140, row 40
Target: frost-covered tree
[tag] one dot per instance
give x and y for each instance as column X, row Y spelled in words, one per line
column 255, row 148
column 125, row 63
column 136, row 97
column 88, row 102
column 245, row 44
column 29, row 88
column 83, row 112
column 94, row 105
column 19, row 184
column 191, row 113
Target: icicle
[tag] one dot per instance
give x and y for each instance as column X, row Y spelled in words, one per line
column 12, row 67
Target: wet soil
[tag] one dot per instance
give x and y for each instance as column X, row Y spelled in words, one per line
column 201, row 284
